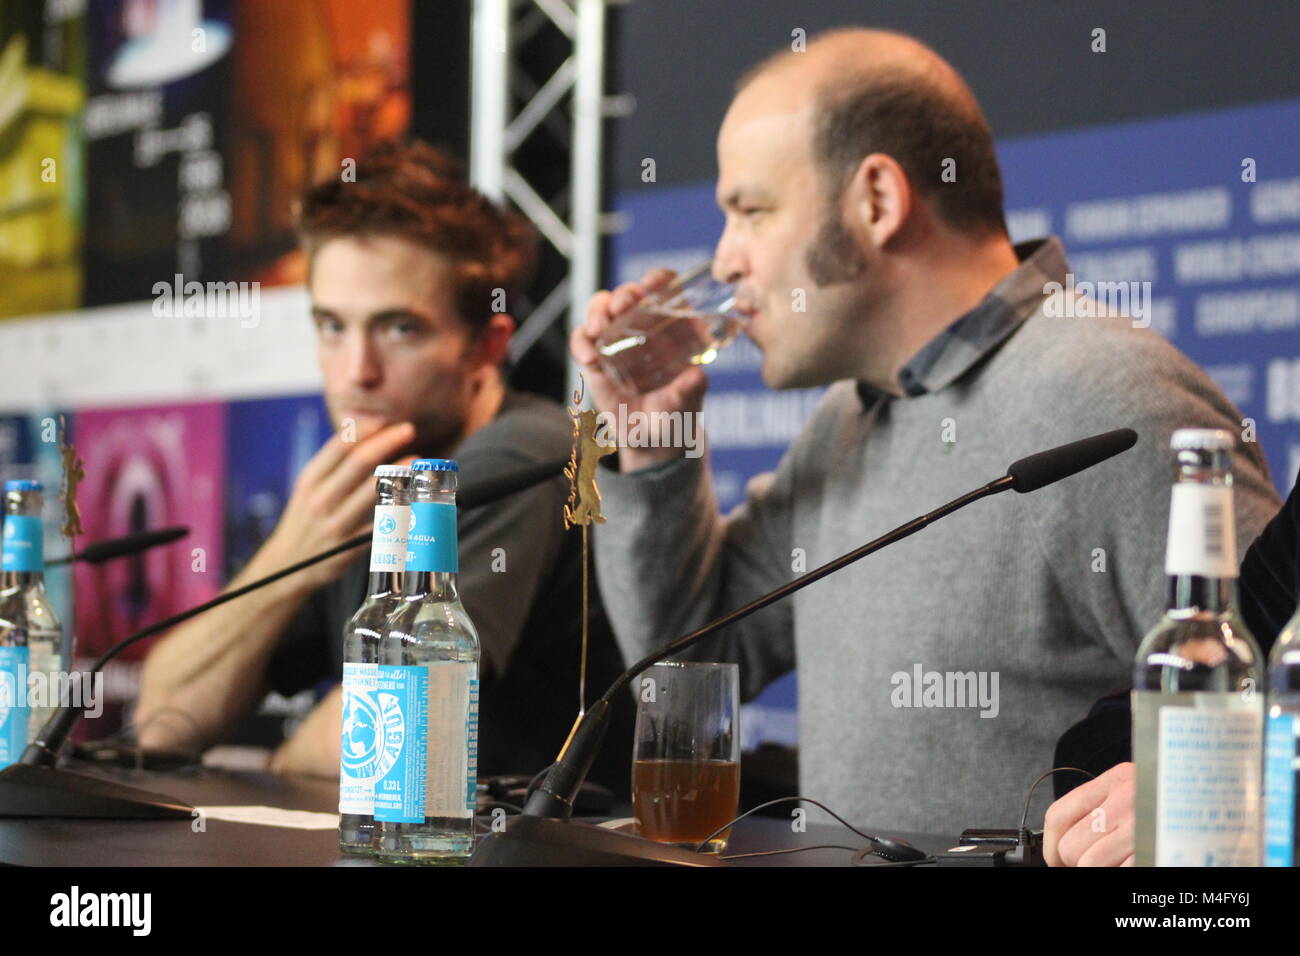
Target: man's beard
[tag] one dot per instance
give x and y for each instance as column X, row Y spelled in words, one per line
column 833, row 256
column 438, row 437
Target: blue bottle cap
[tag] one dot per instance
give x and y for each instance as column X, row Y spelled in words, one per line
column 435, row 464
column 24, row 484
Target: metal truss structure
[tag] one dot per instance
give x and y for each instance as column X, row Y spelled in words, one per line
column 559, row 124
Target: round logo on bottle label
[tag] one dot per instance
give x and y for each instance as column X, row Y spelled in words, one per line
column 361, row 736
column 388, row 543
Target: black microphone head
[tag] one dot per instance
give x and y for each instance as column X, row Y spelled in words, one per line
column 1046, row 467
column 896, row 850
column 102, row 551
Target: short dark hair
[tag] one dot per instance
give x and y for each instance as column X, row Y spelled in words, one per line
column 416, row 192
column 920, row 126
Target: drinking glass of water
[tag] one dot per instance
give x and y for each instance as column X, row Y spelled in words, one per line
column 686, row 758
column 685, row 323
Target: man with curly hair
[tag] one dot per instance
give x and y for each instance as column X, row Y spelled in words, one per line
column 410, row 275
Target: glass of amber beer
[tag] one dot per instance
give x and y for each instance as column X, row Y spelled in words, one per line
column 686, row 758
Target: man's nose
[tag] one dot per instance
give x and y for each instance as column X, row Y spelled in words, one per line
column 728, row 260
column 361, row 361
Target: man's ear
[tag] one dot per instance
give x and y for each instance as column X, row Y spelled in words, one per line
column 879, row 198
column 494, row 341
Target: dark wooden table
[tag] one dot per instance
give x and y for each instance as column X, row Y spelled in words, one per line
column 135, row 843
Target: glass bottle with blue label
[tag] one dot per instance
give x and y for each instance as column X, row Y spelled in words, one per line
column 30, row 634
column 1282, row 747
column 1198, row 705
column 427, row 691
column 360, row 746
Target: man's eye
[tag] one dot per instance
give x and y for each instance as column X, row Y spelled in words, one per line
column 402, row 328
column 328, row 327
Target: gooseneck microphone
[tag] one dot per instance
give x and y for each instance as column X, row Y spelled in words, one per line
column 106, row 550
column 32, row 787
column 534, row 837
column 1046, row 467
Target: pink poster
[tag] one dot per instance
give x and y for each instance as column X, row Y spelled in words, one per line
column 146, row 468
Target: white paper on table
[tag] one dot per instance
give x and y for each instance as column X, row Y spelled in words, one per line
column 272, row 817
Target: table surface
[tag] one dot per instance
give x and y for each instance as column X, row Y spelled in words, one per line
column 56, row 842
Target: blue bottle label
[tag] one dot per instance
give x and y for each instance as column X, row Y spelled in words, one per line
column 14, row 712
column 361, row 749
column 430, row 719
column 402, row 692
column 471, row 740
column 432, row 539
column 23, row 544
column 1280, row 764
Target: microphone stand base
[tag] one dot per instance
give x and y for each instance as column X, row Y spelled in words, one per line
column 542, row 841
column 30, row 791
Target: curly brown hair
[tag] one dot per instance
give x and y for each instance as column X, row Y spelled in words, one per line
column 413, row 191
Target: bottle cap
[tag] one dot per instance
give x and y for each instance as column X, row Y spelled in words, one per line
column 435, row 464
column 393, row 471
column 1201, row 439
column 25, row 484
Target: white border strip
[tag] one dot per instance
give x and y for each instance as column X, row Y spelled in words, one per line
column 124, row 355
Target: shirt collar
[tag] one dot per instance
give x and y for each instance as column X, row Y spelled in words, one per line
column 951, row 353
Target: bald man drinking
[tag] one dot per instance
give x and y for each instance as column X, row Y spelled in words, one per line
column 864, row 227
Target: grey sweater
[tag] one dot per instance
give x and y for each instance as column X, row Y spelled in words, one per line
column 1040, row 600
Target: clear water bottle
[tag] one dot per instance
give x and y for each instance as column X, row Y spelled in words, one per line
column 30, row 634
column 1197, row 701
column 1282, row 747
column 359, row 749
column 428, row 691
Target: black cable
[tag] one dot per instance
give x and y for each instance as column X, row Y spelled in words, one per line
column 797, row 849
column 536, row 781
column 1024, row 820
column 871, row 840
column 867, row 851
column 859, row 853
column 866, row 836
